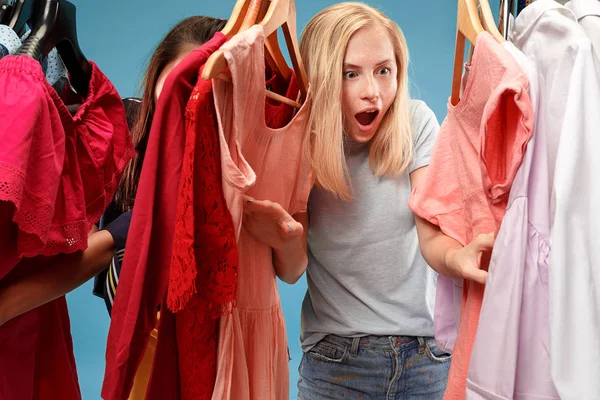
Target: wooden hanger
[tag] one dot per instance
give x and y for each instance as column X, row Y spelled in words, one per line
column 274, row 56
column 487, row 21
column 235, row 21
column 281, row 13
column 245, row 14
column 468, row 27
column 257, row 9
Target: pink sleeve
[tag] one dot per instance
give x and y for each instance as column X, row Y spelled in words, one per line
column 507, row 128
column 437, row 198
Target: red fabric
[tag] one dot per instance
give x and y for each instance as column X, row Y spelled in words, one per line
column 204, row 232
column 202, row 292
column 203, row 218
column 203, row 227
column 48, row 208
column 145, row 272
column 45, row 153
column 36, row 356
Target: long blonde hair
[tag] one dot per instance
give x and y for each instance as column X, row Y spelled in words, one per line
column 323, row 47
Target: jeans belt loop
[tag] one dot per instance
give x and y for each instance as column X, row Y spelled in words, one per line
column 354, row 348
column 421, row 345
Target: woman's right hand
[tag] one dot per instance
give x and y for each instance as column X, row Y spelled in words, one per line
column 270, row 224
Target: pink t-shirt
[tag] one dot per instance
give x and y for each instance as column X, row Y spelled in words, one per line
column 465, row 191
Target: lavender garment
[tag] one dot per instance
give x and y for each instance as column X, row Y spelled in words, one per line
column 511, row 353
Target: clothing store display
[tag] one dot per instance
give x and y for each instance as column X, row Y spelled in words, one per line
column 466, row 186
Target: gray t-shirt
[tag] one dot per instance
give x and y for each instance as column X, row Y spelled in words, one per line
column 366, row 274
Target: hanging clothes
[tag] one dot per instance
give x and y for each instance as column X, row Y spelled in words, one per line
column 46, row 153
column 515, row 306
column 52, row 65
column 36, row 355
column 9, row 41
column 203, row 270
column 465, row 190
column 105, row 283
column 587, row 13
column 214, row 243
column 253, row 354
column 550, row 36
column 145, row 273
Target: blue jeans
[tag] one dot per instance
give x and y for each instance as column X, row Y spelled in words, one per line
column 374, row 368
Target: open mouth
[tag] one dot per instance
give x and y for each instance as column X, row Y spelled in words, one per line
column 366, row 118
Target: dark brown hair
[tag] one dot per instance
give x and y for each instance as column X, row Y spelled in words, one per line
column 195, row 30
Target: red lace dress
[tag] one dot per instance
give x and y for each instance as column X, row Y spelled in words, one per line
column 47, row 207
column 203, row 279
column 145, row 272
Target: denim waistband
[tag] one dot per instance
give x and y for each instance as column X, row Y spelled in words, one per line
column 400, row 343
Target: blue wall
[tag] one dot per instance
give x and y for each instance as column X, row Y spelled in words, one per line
column 120, row 36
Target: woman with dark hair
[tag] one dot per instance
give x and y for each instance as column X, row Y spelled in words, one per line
column 19, row 294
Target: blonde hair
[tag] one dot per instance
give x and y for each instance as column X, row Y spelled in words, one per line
column 323, row 47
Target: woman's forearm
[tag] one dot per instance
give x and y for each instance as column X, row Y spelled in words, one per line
column 45, row 282
column 437, row 248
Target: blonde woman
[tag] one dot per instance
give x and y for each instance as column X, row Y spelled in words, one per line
column 367, row 318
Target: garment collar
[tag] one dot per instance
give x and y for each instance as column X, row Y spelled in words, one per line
column 529, row 17
column 584, row 8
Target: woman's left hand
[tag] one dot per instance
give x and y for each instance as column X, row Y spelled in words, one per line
column 467, row 260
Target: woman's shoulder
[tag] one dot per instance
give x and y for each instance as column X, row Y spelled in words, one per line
column 419, row 109
column 423, row 117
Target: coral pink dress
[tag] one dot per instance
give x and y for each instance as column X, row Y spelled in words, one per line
column 253, row 353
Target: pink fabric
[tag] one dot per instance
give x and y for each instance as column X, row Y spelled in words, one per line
column 516, row 305
column 45, row 154
column 48, row 207
column 465, row 191
column 253, row 355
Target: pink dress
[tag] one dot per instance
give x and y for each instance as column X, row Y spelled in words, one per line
column 253, row 355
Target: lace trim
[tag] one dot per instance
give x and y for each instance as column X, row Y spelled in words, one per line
column 204, row 228
column 33, row 214
column 196, row 351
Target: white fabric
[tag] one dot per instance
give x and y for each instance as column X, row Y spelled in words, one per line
column 588, row 15
column 550, row 36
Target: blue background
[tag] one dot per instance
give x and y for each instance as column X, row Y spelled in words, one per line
column 120, row 37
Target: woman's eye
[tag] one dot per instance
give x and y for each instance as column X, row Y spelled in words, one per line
column 385, row 71
column 350, row 74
